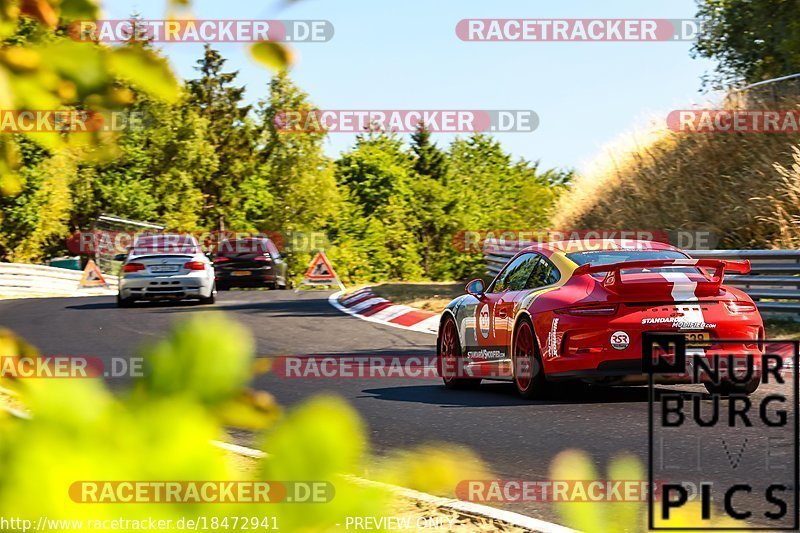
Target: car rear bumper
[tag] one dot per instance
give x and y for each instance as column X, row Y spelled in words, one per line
column 255, row 276
column 630, row 371
column 165, row 287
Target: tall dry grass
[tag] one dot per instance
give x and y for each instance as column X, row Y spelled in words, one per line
column 745, row 188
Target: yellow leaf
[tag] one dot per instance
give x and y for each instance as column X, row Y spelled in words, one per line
column 274, row 55
column 147, row 71
column 40, row 10
column 20, row 59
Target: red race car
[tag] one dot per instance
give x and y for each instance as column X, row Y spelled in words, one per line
column 576, row 310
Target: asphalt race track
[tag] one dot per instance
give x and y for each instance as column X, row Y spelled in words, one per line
column 517, row 438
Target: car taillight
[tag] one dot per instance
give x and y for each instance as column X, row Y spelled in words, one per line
column 262, row 258
column 589, row 310
column 220, row 259
column 737, row 308
column 195, row 265
column 133, row 267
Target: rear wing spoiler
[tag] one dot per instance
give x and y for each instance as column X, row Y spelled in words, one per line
column 613, row 279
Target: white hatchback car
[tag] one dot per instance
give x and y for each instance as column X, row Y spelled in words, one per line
column 166, row 266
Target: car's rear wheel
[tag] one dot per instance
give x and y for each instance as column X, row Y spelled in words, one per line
column 726, row 388
column 528, row 370
column 211, row 298
column 124, row 302
column 450, row 358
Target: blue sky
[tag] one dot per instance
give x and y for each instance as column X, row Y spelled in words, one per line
column 405, row 55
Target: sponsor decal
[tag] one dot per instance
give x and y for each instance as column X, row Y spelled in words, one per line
column 620, row 340
column 552, row 340
column 679, row 323
column 484, row 321
column 486, row 355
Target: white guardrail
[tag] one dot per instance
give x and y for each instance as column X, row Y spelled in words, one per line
column 18, row 279
column 773, row 282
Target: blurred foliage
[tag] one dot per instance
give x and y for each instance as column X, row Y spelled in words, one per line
column 434, row 468
column 161, row 429
column 619, row 516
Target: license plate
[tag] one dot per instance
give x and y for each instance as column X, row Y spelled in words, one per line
column 164, row 268
column 241, row 273
column 699, row 337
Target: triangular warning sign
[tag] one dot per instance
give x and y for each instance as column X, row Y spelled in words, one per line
column 320, row 269
column 320, row 273
column 92, row 277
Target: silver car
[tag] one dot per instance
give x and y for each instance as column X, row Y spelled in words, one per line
column 166, row 266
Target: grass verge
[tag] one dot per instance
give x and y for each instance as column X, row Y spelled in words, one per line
column 428, row 296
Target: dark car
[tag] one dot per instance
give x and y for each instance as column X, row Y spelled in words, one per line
column 251, row 262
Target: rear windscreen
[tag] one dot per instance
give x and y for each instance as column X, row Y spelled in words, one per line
column 244, row 246
column 159, row 244
column 607, row 257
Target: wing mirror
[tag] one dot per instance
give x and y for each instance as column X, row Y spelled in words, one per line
column 120, row 257
column 476, row 287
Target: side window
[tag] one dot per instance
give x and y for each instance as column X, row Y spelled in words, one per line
column 273, row 250
column 544, row 274
column 517, row 280
column 509, row 274
column 554, row 276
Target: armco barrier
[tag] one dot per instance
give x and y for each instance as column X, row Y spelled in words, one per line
column 17, row 279
column 773, row 283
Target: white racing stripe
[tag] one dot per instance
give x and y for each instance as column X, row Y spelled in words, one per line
column 684, row 290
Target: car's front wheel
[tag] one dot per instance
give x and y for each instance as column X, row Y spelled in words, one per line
column 450, row 359
column 528, row 370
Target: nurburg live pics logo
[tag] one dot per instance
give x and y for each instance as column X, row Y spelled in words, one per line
column 737, row 455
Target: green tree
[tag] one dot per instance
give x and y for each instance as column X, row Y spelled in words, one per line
column 233, row 136
column 299, row 174
column 751, row 40
column 377, row 175
column 162, row 161
column 433, row 203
